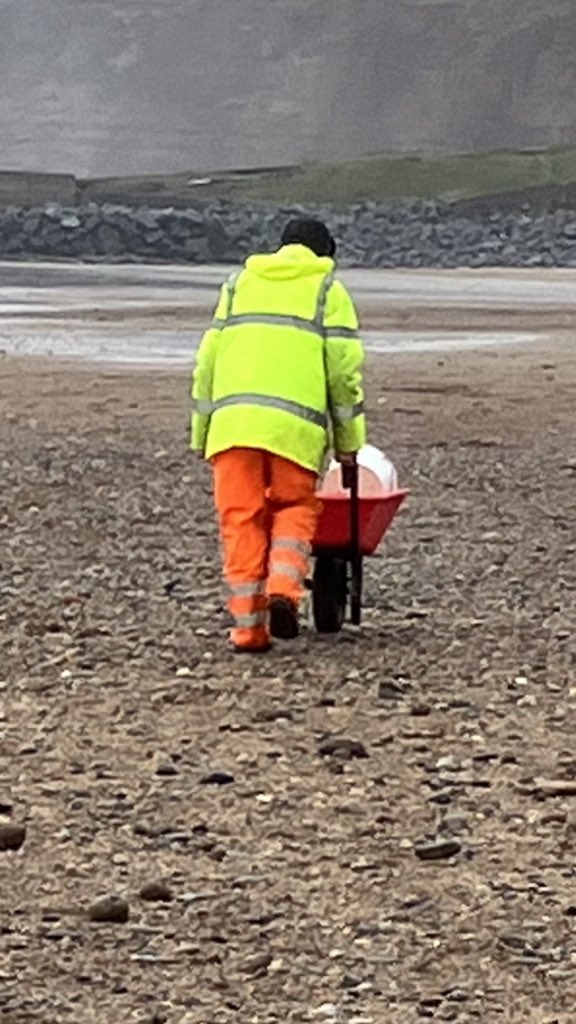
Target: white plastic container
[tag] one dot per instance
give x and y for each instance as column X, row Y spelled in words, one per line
column 376, row 475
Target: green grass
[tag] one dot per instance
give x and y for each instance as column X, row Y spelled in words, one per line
column 374, row 177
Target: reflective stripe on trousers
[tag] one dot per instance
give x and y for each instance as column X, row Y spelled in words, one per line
column 250, row 621
column 289, row 563
column 289, row 544
column 246, row 589
column 247, row 606
column 247, row 603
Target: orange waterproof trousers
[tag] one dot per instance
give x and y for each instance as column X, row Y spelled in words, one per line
column 268, row 511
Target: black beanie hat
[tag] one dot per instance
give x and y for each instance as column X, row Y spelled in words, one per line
column 309, row 232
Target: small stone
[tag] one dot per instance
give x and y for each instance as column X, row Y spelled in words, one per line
column 217, row 779
column 457, row 995
column 165, row 769
column 420, row 710
column 391, row 690
column 12, row 836
column 440, row 849
column 442, row 797
column 455, row 823
column 513, row 941
column 557, row 787
column 112, row 910
column 346, row 749
column 325, row 1010
column 257, row 964
column 529, row 701
column 184, row 672
column 156, row 892
column 273, row 714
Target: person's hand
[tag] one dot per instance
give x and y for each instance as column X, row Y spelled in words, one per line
column 346, row 458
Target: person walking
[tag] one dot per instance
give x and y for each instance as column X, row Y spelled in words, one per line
column 278, row 374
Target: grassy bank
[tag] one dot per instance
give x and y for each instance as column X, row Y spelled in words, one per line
column 454, row 177
column 379, row 177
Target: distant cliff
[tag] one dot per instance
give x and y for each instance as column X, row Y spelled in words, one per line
column 124, row 87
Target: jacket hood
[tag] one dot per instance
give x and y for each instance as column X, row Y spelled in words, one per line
column 288, row 263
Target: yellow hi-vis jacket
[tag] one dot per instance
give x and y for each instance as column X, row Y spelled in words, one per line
column 281, row 362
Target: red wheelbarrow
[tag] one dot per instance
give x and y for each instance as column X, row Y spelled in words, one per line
column 349, row 528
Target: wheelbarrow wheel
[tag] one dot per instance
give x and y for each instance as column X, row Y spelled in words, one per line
column 329, row 592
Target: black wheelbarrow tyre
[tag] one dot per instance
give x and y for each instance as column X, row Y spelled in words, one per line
column 329, row 594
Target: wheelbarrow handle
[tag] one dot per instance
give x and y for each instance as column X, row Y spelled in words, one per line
column 349, row 474
column 350, row 480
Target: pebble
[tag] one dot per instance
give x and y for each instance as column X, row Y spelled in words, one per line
column 455, row 823
column 457, row 995
column 421, row 710
column 165, row 769
column 217, row 779
column 325, row 1010
column 257, row 964
column 391, row 690
column 112, row 910
column 442, row 797
column 346, row 749
column 12, row 837
column 437, row 850
column 557, row 787
column 448, row 764
column 156, row 892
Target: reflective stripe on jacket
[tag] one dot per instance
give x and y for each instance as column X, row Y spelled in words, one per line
column 281, row 363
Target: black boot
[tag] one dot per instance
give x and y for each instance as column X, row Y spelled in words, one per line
column 283, row 617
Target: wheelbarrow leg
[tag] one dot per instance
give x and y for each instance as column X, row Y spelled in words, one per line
column 356, row 591
column 350, row 480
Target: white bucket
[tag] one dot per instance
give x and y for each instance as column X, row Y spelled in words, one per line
column 376, row 475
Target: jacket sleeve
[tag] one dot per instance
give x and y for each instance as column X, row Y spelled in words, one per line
column 203, row 376
column 344, row 360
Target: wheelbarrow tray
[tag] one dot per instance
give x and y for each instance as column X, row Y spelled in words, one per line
column 374, row 517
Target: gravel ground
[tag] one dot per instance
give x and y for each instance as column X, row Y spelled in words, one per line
column 423, row 871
